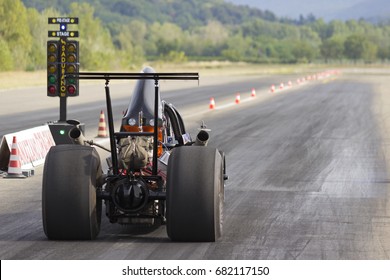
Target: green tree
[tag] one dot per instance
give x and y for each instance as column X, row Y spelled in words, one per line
column 283, row 51
column 37, row 23
column 164, row 38
column 354, row 27
column 307, row 34
column 337, row 28
column 96, row 48
column 14, row 29
column 176, row 57
column 303, row 52
column 384, row 53
column 354, row 47
column 37, row 54
column 6, row 61
column 208, row 40
column 130, row 55
column 138, row 30
column 238, row 48
column 321, row 28
column 332, row 48
column 370, row 51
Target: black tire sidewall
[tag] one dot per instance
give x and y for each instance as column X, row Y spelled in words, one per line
column 70, row 208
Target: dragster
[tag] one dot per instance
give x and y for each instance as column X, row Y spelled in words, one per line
column 157, row 175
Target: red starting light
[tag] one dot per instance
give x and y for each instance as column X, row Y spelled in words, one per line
column 52, row 90
column 71, row 89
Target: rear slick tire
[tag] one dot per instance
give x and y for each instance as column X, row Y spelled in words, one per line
column 195, row 194
column 70, row 208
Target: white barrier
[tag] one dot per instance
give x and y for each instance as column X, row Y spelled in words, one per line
column 33, row 145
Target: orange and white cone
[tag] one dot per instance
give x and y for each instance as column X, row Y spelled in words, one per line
column 272, row 89
column 102, row 130
column 253, row 92
column 14, row 166
column 238, row 99
column 212, row 103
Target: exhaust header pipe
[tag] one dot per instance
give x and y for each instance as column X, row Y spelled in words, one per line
column 202, row 138
column 77, row 136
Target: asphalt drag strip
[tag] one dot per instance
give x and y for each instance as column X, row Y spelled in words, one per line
column 308, row 179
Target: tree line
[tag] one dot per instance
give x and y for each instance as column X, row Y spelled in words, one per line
column 131, row 33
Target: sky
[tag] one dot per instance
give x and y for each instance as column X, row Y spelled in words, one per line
column 327, row 9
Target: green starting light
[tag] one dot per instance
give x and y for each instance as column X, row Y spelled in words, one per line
column 71, row 81
column 62, row 131
column 52, row 79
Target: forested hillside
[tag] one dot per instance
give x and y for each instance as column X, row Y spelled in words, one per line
column 121, row 34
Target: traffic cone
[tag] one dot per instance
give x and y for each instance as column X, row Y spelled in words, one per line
column 212, row 103
column 272, row 89
column 238, row 99
column 102, row 130
column 289, row 83
column 253, row 93
column 14, row 166
column 281, row 86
